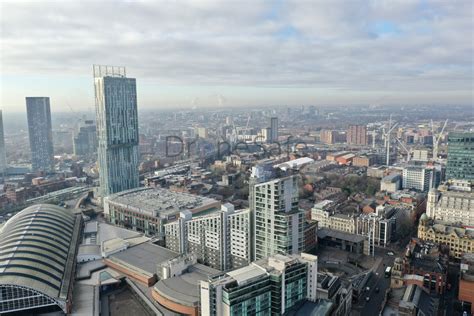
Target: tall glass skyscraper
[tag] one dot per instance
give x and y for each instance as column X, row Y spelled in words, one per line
column 3, row 158
column 460, row 156
column 40, row 133
column 117, row 129
column 274, row 129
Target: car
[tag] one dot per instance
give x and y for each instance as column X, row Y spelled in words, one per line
column 367, row 298
column 390, row 253
column 367, row 289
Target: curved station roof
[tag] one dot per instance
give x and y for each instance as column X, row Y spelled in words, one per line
column 37, row 253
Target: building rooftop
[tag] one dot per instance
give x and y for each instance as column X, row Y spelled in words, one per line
column 326, row 232
column 323, row 204
column 247, row 274
column 294, row 164
column 144, row 256
column 38, row 249
column 185, row 288
column 159, row 202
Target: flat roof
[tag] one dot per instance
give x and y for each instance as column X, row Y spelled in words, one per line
column 326, row 232
column 158, row 202
column 185, row 288
column 246, row 274
column 144, row 256
column 322, row 204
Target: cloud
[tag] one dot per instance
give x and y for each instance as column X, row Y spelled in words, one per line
column 352, row 45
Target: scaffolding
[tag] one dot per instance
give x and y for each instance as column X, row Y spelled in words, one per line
column 108, row 71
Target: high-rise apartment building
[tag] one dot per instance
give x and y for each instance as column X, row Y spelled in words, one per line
column 40, row 133
column 357, row 135
column 3, row 158
column 272, row 286
column 278, row 223
column 117, row 129
column 220, row 240
column 274, row 129
column 460, row 156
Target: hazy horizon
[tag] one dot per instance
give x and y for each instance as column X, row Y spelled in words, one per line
column 262, row 53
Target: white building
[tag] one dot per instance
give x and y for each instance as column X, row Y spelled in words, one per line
column 323, row 212
column 452, row 202
column 419, row 178
column 278, row 222
column 221, row 240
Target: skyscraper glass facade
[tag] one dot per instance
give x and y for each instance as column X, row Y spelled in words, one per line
column 40, row 133
column 460, row 156
column 117, row 130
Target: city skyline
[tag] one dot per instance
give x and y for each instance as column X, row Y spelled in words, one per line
column 270, row 53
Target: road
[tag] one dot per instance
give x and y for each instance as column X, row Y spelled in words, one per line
column 378, row 280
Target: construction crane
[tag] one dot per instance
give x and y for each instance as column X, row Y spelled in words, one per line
column 387, row 138
column 374, row 134
column 437, row 138
column 407, row 150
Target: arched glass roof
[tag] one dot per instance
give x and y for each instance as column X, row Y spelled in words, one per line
column 37, row 250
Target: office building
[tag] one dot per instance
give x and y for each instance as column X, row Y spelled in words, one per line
column 460, row 156
column 452, row 202
column 459, row 239
column 270, row 286
column 418, row 178
column 147, row 209
column 357, row 135
column 323, row 212
column 391, row 183
column 117, row 129
column 278, row 223
column 274, row 129
column 85, row 142
column 220, row 240
column 3, row 158
column 38, row 255
column 40, row 133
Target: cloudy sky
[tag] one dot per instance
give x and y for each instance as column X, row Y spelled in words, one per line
column 232, row 53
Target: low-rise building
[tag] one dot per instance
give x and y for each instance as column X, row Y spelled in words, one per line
column 459, row 239
column 147, row 209
column 466, row 281
column 391, row 183
column 331, row 288
column 424, row 265
column 323, row 212
column 364, row 161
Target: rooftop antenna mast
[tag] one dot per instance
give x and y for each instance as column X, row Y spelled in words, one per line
column 437, row 138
